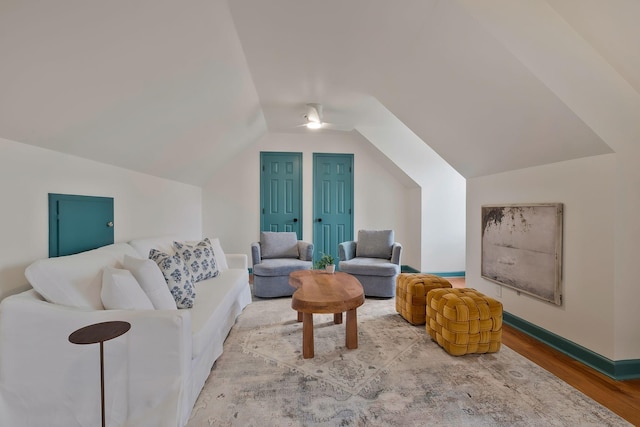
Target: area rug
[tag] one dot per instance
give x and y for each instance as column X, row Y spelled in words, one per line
column 396, row 377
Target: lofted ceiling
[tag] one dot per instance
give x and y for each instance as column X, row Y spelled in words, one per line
column 174, row 89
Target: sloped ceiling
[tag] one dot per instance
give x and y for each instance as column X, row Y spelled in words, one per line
column 157, row 86
column 175, row 88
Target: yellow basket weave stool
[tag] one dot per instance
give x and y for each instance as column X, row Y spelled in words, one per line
column 411, row 295
column 464, row 321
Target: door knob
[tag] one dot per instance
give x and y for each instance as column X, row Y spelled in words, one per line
column 319, row 219
column 110, row 224
column 295, row 219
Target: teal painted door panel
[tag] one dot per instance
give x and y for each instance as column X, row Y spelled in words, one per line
column 79, row 223
column 332, row 202
column 281, row 192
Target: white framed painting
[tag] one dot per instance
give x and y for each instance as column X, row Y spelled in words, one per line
column 522, row 248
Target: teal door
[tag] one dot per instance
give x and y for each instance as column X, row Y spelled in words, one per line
column 79, row 223
column 332, row 202
column 281, row 192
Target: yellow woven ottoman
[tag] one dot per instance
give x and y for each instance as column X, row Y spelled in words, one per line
column 464, row 321
column 411, row 295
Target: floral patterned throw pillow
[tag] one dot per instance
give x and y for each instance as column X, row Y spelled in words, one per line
column 199, row 258
column 178, row 277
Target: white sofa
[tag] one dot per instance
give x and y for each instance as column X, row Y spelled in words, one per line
column 153, row 373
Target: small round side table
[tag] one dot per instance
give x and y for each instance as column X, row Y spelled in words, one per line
column 99, row 333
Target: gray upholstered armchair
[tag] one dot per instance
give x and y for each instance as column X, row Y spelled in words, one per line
column 275, row 256
column 374, row 259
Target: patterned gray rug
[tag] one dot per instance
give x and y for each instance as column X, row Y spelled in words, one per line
column 396, row 377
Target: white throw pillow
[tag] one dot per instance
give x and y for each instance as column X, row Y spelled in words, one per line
column 199, row 258
column 121, row 291
column 177, row 276
column 218, row 253
column 152, row 282
column 76, row 280
column 162, row 243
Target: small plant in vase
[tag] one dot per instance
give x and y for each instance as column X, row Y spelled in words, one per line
column 327, row 263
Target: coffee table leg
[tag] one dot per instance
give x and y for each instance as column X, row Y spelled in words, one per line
column 337, row 318
column 299, row 317
column 352, row 329
column 307, row 335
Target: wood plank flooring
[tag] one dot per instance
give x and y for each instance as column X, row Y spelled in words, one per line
column 621, row 397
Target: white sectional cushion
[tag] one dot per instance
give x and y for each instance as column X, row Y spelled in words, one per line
column 177, row 276
column 152, row 282
column 121, row 291
column 76, row 280
column 214, row 311
column 221, row 258
column 144, row 246
column 199, row 258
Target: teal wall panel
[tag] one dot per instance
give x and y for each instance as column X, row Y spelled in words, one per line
column 79, row 223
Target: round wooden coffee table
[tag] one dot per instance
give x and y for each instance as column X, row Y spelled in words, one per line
column 322, row 292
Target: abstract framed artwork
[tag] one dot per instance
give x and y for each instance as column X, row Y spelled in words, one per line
column 522, row 248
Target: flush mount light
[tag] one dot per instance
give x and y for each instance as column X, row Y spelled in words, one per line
column 314, row 125
column 314, row 120
column 314, row 116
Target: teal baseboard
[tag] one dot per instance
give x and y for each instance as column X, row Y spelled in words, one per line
column 250, row 270
column 618, row 370
column 448, row 273
column 409, row 269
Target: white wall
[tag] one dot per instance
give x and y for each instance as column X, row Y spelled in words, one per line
column 586, row 187
column 143, row 205
column 589, row 74
column 384, row 197
column 627, row 248
column 441, row 206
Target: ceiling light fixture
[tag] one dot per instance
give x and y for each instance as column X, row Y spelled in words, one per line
column 314, row 125
column 314, row 116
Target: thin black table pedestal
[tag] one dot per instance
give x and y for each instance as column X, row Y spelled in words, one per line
column 99, row 333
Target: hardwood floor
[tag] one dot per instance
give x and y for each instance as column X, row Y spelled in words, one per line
column 621, row 397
